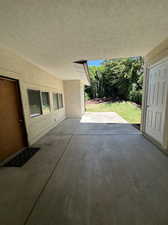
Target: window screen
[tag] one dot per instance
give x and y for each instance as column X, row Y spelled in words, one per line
column 55, row 101
column 45, row 102
column 34, row 103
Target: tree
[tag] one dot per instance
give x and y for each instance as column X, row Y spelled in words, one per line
column 121, row 78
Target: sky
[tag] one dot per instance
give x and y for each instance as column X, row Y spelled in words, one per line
column 94, row 62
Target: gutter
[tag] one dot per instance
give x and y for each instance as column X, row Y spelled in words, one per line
column 86, row 69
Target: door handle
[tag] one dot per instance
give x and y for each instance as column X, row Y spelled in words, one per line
column 20, row 121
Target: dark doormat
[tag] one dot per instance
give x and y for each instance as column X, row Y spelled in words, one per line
column 137, row 125
column 21, row 158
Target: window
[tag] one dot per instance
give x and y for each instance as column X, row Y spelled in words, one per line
column 61, row 96
column 55, row 101
column 60, row 100
column 39, row 102
column 45, row 102
column 34, row 103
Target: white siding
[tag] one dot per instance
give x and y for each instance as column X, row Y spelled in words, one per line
column 31, row 76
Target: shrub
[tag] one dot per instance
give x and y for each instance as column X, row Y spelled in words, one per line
column 117, row 78
column 136, row 96
column 86, row 96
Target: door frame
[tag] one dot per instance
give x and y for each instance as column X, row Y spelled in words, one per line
column 21, row 111
column 145, row 96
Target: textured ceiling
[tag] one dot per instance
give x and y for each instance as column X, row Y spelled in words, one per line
column 54, row 33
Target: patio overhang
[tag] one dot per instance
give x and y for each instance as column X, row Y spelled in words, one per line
column 54, row 34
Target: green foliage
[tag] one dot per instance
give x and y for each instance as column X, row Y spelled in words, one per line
column 136, row 96
column 96, row 88
column 86, row 96
column 122, row 78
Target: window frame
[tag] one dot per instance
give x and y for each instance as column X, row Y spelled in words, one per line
column 61, row 97
column 34, row 115
column 60, row 100
column 42, row 105
column 57, row 102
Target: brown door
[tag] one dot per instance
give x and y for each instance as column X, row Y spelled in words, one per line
column 12, row 129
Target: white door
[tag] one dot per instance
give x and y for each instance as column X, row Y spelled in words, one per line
column 156, row 101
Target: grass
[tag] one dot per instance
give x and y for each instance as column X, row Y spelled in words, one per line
column 127, row 110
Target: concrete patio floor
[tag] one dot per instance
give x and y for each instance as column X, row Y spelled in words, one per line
column 88, row 174
column 102, row 117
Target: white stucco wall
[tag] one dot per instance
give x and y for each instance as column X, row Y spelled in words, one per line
column 74, row 98
column 31, row 76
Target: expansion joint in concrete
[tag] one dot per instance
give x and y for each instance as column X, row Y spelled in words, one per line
column 47, row 181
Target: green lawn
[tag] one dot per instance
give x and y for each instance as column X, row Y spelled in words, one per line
column 127, row 110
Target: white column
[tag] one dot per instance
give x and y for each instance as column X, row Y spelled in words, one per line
column 74, row 98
